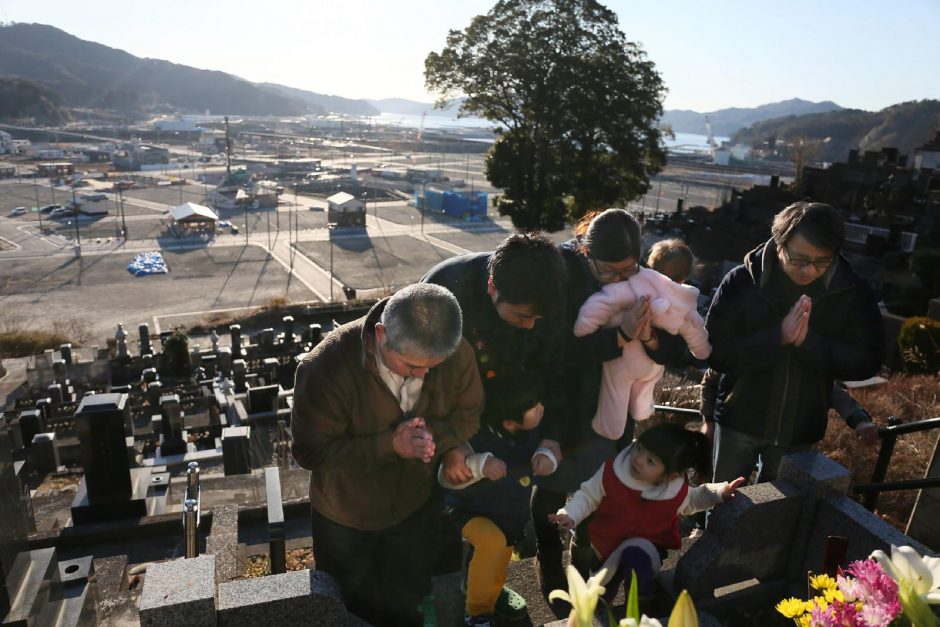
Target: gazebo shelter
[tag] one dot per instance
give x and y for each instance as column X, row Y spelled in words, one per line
column 192, row 219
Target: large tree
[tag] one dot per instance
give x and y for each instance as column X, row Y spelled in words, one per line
column 575, row 106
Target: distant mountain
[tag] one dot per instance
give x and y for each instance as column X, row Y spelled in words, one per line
column 401, row 106
column 904, row 126
column 322, row 104
column 88, row 74
column 726, row 121
column 21, row 99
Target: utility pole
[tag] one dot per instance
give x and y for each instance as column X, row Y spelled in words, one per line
column 78, row 238
column 38, row 212
column 228, row 158
column 123, row 221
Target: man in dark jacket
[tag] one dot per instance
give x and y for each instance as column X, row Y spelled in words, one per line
column 785, row 324
column 513, row 303
column 376, row 403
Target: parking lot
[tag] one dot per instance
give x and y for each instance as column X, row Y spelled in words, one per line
column 99, row 290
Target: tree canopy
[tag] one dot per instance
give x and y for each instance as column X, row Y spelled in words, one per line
column 575, row 105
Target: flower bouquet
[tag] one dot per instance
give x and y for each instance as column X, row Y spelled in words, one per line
column 879, row 591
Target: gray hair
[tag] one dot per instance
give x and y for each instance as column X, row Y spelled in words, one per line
column 423, row 320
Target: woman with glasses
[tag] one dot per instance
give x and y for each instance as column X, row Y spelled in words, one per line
column 784, row 325
column 606, row 249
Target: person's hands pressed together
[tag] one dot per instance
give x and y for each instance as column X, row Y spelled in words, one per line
column 412, row 440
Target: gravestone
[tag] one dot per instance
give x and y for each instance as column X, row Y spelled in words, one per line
column 43, row 453
column 154, row 392
column 210, row 363
column 56, row 393
column 44, row 405
column 106, row 490
column 267, row 339
column 65, row 350
column 239, row 372
column 263, row 399
column 30, row 424
column 15, row 517
column 314, row 334
column 58, row 371
column 235, row 450
column 288, row 330
column 235, row 331
column 171, row 414
column 269, row 368
column 225, row 361
column 144, row 332
column 302, row 597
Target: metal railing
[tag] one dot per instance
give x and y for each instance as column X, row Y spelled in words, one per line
column 191, row 510
column 889, row 436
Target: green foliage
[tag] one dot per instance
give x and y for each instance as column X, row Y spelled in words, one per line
column 919, row 344
column 576, row 105
column 175, row 359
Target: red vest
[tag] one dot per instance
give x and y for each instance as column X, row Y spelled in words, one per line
column 623, row 514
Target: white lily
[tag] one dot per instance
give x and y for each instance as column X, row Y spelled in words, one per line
column 918, row 581
column 582, row 595
column 683, row 613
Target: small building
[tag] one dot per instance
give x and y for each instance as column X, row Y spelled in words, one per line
column 192, row 219
column 55, row 169
column 344, row 209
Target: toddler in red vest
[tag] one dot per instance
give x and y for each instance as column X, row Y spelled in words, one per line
column 636, row 499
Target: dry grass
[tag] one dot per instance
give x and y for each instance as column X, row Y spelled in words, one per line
column 18, row 337
column 911, row 398
column 297, row 559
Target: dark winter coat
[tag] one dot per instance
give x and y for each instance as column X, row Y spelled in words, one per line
column 781, row 393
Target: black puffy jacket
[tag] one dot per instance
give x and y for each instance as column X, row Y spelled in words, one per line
column 781, row 393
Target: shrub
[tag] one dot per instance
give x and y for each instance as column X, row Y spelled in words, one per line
column 175, row 359
column 919, row 344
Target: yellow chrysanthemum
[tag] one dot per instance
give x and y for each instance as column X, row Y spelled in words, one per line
column 806, row 620
column 791, row 608
column 822, row 582
column 833, row 596
column 819, row 602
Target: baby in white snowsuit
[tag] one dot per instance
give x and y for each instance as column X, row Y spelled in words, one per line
column 628, row 381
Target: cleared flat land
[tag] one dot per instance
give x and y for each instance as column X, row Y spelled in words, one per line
column 362, row 262
column 100, row 292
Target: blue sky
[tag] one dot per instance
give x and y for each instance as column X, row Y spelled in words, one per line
column 712, row 54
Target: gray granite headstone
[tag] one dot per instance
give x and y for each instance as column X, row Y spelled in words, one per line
column 222, row 541
column 179, row 592
column 65, row 350
column 267, row 339
column 58, row 371
column 313, row 335
column 747, row 538
column 302, row 597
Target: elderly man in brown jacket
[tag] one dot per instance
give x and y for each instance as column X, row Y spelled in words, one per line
column 376, row 404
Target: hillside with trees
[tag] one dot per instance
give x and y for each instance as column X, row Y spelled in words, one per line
column 24, row 100
column 727, row 121
column 904, row 126
column 88, row 74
